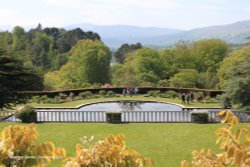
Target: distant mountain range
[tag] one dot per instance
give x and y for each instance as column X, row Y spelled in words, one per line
column 116, row 35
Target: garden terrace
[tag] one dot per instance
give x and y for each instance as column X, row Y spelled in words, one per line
column 142, row 90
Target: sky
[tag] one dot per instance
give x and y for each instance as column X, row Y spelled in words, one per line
column 180, row 14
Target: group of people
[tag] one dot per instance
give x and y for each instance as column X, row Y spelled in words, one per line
column 187, row 97
column 130, row 91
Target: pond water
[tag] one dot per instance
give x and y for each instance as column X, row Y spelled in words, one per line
column 130, row 106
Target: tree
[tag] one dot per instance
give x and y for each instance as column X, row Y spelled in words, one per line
column 180, row 57
column 234, row 75
column 125, row 76
column 40, row 50
column 186, row 78
column 6, row 41
column 19, row 39
column 121, row 52
column 89, row 62
column 14, row 79
column 209, row 53
column 69, row 38
column 148, row 65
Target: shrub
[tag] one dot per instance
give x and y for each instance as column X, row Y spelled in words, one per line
column 112, row 151
column 199, row 96
column 210, row 100
column 163, row 95
column 71, row 96
column 110, row 94
column 86, row 95
column 199, row 116
column 225, row 100
column 153, row 93
column 96, row 96
column 46, row 99
column 113, row 117
column 172, row 94
column 35, row 99
column 26, row 113
column 57, row 99
column 235, row 146
column 20, row 141
column 102, row 93
column 62, row 96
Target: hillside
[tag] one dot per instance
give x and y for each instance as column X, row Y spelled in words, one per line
column 115, row 35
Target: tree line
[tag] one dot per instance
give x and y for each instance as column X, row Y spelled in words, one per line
column 42, row 48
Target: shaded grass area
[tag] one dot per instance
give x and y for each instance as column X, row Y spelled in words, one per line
column 166, row 144
column 139, row 97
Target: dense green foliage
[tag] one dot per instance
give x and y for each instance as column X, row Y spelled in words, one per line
column 122, row 52
column 43, row 48
column 142, row 67
column 235, row 77
column 26, row 113
column 187, row 78
column 186, row 65
column 199, row 116
column 15, row 78
column 89, row 63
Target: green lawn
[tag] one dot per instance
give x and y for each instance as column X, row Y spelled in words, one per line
column 140, row 97
column 166, row 143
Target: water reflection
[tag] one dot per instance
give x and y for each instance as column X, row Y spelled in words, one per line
column 130, row 106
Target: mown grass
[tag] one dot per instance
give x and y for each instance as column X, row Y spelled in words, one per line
column 166, row 143
column 140, row 97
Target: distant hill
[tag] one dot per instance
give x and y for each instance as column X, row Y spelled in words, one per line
column 116, row 35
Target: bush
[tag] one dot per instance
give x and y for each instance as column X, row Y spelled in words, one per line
column 102, row 93
column 199, row 116
column 111, row 151
column 21, row 141
column 114, row 117
column 225, row 100
column 199, row 96
column 154, row 93
column 35, row 99
column 86, row 95
column 96, row 96
column 62, row 96
column 57, row 99
column 110, row 94
column 46, row 99
column 210, row 100
column 172, row 94
column 27, row 114
column 71, row 96
column 163, row 95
